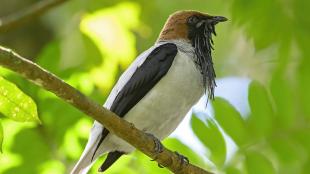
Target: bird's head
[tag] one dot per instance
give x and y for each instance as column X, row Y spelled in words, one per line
column 186, row 24
column 197, row 29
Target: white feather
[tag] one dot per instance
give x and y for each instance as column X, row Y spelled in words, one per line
column 159, row 112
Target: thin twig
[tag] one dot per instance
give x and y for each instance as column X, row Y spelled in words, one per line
column 111, row 121
column 23, row 16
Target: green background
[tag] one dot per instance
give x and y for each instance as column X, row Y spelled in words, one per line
column 89, row 43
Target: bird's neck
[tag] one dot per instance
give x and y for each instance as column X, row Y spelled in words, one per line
column 182, row 44
column 178, row 42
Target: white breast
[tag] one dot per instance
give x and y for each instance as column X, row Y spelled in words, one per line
column 165, row 105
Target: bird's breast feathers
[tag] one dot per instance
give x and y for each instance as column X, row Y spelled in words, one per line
column 165, row 105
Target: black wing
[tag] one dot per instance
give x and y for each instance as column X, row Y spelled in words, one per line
column 142, row 81
column 144, row 78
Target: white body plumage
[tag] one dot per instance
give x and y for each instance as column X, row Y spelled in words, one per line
column 160, row 111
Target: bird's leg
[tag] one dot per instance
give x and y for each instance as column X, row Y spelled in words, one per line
column 183, row 159
column 158, row 148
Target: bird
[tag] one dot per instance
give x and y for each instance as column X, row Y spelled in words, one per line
column 159, row 87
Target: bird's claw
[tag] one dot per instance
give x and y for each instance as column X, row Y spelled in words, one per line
column 158, row 147
column 183, row 159
column 160, row 166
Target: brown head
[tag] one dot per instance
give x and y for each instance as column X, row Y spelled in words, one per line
column 180, row 24
column 197, row 29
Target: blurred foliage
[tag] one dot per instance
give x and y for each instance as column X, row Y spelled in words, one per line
column 89, row 43
column 212, row 138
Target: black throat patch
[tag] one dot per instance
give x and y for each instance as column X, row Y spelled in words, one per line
column 201, row 40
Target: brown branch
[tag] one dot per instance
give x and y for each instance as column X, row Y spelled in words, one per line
column 32, row 12
column 111, row 121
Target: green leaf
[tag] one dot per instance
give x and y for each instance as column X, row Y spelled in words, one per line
column 232, row 170
column 290, row 154
column 257, row 163
column 177, row 145
column 16, row 105
column 210, row 135
column 286, row 150
column 261, row 118
column 282, row 94
column 230, row 120
column 141, row 164
column 304, row 80
column 1, row 136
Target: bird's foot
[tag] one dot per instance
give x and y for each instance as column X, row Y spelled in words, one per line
column 183, row 159
column 158, row 148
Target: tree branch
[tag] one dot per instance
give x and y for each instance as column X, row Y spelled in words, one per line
column 111, row 121
column 23, row 16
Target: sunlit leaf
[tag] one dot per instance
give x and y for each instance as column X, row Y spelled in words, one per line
column 1, row 136
column 16, row 105
column 5, row 72
column 257, row 163
column 110, row 30
column 230, row 120
column 261, row 118
column 210, row 135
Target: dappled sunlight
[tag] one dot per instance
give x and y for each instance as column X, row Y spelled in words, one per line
column 110, row 29
column 9, row 159
column 72, row 146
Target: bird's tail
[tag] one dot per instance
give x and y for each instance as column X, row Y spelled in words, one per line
column 87, row 158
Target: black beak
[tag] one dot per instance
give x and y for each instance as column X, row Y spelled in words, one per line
column 216, row 19
column 211, row 20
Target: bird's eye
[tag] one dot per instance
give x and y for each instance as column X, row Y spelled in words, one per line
column 193, row 20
